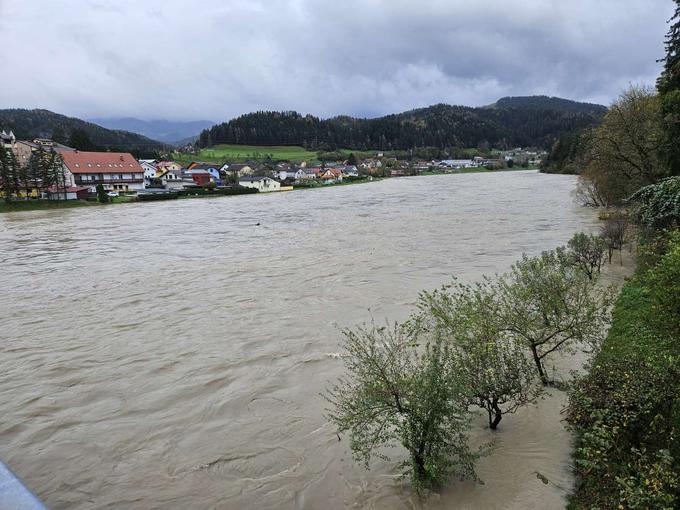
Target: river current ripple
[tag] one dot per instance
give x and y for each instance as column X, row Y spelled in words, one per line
column 171, row 354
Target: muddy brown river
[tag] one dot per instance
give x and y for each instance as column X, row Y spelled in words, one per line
column 170, row 355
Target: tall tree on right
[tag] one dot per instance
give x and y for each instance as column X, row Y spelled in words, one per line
column 668, row 86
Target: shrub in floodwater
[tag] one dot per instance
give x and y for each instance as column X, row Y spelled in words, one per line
column 613, row 233
column 586, row 252
column 498, row 375
column 402, row 386
column 549, row 306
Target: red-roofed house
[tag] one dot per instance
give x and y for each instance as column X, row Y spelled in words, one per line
column 332, row 175
column 116, row 171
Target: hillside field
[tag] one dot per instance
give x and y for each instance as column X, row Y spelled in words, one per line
column 218, row 153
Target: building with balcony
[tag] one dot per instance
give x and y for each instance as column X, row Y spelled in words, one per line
column 116, row 171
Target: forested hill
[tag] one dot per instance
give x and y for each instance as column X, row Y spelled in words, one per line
column 30, row 124
column 549, row 103
column 511, row 122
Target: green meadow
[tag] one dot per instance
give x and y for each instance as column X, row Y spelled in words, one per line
column 218, row 153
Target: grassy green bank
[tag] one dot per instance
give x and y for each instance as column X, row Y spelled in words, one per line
column 37, row 205
column 625, row 411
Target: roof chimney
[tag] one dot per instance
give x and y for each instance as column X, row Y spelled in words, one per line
column 122, row 158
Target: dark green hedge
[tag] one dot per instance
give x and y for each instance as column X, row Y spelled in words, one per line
column 239, row 190
column 626, row 410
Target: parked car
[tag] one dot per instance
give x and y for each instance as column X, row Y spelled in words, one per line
column 113, row 194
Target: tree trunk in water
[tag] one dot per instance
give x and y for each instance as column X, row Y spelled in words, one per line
column 539, row 366
column 419, row 462
column 495, row 414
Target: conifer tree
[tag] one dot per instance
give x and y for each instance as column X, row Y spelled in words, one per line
column 8, row 174
column 668, row 86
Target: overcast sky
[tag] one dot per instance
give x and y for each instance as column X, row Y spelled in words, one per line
column 215, row 59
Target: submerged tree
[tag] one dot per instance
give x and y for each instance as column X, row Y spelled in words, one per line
column 551, row 306
column 498, row 375
column 586, row 252
column 402, row 387
column 613, row 233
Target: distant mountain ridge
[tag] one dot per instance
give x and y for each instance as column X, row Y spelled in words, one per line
column 30, row 124
column 510, row 122
column 548, row 103
column 172, row 132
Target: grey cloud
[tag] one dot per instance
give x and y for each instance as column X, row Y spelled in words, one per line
column 180, row 59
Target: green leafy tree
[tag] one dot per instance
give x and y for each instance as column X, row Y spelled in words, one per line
column 623, row 155
column 657, row 206
column 550, row 306
column 613, row 233
column 402, row 387
column 102, row 196
column 498, row 375
column 668, row 86
column 352, row 159
column 586, row 252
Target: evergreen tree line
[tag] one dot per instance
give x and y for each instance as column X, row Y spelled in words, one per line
column 440, row 126
column 43, row 170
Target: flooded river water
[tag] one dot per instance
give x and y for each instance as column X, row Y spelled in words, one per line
column 170, row 355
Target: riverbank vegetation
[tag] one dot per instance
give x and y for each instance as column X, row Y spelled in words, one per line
column 487, row 345
column 625, row 410
column 37, row 205
column 466, row 347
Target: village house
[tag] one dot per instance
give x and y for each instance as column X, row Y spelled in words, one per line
column 196, row 177
column 169, row 165
column 290, row 174
column 371, row 163
column 23, row 149
column 238, row 170
column 169, row 179
column 351, row 171
column 331, row 175
column 7, row 140
column 457, row 163
column 115, row 171
column 262, row 184
column 309, row 173
column 149, row 167
column 213, row 169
